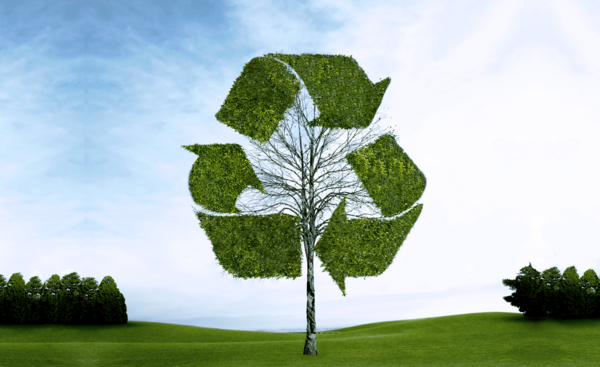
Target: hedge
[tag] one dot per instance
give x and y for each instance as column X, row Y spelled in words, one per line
column 565, row 296
column 69, row 300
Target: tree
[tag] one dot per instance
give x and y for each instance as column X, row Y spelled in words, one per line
column 49, row 300
column 596, row 313
column 589, row 287
column 570, row 298
column 3, row 312
column 109, row 303
column 253, row 245
column 33, row 312
column 15, row 299
column 87, row 301
column 529, row 292
column 69, row 311
column 550, row 281
column 122, row 308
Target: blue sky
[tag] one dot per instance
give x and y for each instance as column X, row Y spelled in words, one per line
column 496, row 102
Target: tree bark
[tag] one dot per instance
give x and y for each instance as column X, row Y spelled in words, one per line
column 310, row 345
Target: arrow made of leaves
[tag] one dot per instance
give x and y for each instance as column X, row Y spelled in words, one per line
column 270, row 245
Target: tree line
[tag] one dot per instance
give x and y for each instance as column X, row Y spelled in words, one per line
column 565, row 296
column 69, row 300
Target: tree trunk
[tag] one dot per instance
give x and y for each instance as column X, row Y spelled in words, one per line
column 310, row 346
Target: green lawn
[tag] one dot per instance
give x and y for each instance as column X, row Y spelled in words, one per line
column 478, row 339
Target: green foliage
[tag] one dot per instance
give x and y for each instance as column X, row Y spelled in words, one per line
column 67, row 299
column 15, row 299
column 270, row 245
column 50, row 292
column 263, row 92
column 529, row 292
column 33, row 312
column 259, row 98
column 391, row 178
column 589, row 286
column 340, row 88
column 264, row 246
column 109, row 303
column 551, row 282
column 563, row 296
column 3, row 309
column 219, row 175
column 570, row 300
column 87, row 301
column 361, row 247
column 123, row 309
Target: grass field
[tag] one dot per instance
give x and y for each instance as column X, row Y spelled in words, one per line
column 478, row 339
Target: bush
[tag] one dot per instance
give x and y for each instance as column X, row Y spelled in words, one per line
column 550, row 285
column 15, row 299
column 589, row 285
column 561, row 296
column 110, row 302
column 3, row 313
column 87, row 301
column 68, row 301
column 50, row 291
column 570, row 300
column 122, row 309
column 33, row 312
column 69, row 312
column 529, row 295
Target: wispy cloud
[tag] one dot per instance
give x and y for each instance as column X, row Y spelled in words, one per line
column 496, row 102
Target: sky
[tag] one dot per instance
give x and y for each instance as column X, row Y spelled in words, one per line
column 496, row 102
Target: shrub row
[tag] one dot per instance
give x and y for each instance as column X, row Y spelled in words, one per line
column 69, row 300
column 565, row 296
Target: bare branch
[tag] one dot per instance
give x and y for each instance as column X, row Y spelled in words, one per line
column 295, row 184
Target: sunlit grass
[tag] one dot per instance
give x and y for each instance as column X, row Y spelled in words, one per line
column 479, row 339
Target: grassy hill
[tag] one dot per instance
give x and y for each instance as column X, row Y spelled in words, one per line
column 479, row 339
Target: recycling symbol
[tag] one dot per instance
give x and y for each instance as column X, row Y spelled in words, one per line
column 269, row 246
